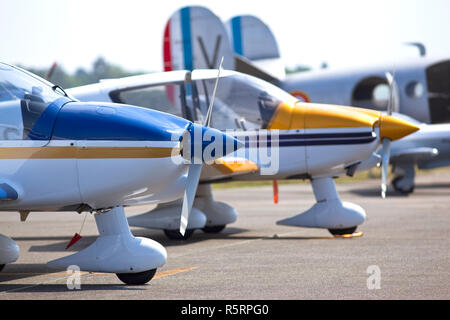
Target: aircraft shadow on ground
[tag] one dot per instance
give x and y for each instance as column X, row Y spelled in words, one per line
column 16, row 271
column 229, row 233
column 29, row 288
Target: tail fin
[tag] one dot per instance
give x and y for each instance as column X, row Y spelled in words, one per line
column 252, row 39
column 195, row 38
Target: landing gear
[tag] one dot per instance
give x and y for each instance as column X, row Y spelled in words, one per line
column 218, row 214
column 329, row 212
column 213, row 229
column 404, row 177
column 166, row 217
column 207, row 214
column 176, row 235
column 397, row 184
column 341, row 232
column 139, row 278
column 116, row 250
column 9, row 251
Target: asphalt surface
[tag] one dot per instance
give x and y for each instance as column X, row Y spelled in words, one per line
column 407, row 238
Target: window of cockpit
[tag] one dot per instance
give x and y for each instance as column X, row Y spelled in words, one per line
column 240, row 103
column 166, row 98
column 23, row 99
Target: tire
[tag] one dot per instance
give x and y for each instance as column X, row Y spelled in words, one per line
column 214, row 229
column 2, row 266
column 138, row 278
column 398, row 189
column 176, row 235
column 340, row 232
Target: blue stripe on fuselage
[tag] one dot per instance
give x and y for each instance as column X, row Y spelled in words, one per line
column 316, row 139
column 186, row 34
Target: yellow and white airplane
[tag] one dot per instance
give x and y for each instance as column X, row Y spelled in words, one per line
column 421, row 89
column 284, row 138
column 59, row 154
column 195, row 37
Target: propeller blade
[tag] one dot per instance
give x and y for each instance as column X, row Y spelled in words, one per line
column 394, row 97
column 195, row 170
column 209, row 113
column 386, row 151
column 189, row 195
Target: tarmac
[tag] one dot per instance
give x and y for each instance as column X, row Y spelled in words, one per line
column 402, row 254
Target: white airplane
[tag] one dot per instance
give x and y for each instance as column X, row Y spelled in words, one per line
column 58, row 154
column 285, row 139
column 421, row 86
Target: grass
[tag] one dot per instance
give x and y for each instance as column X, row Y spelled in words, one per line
column 372, row 174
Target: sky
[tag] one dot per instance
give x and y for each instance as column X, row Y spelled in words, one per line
column 343, row 33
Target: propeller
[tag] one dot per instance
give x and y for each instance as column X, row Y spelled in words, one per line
column 393, row 104
column 195, row 170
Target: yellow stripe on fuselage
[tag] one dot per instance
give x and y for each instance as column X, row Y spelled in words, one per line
column 316, row 116
column 86, row 152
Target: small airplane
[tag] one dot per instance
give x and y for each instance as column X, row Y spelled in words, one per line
column 59, row 154
column 421, row 89
column 421, row 86
column 284, row 138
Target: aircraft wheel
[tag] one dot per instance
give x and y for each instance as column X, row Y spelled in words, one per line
column 401, row 190
column 340, row 232
column 2, row 266
column 214, row 229
column 176, row 235
column 138, row 278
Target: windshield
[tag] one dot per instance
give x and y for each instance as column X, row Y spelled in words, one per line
column 23, row 98
column 242, row 102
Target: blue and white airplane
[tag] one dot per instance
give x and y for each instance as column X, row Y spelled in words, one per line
column 58, row 154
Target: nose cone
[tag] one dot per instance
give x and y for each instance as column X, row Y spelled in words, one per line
column 208, row 144
column 394, row 128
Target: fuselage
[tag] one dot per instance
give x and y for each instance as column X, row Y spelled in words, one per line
column 285, row 138
column 94, row 156
column 430, row 136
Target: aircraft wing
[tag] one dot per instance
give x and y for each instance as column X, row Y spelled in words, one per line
column 414, row 154
column 226, row 167
column 7, row 192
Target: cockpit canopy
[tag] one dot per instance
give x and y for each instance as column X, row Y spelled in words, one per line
column 242, row 102
column 23, row 99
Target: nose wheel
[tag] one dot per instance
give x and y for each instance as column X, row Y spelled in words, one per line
column 341, row 232
column 176, row 235
column 139, row 278
column 396, row 183
column 213, row 229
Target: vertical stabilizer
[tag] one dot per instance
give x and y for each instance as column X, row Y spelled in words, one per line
column 195, row 38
